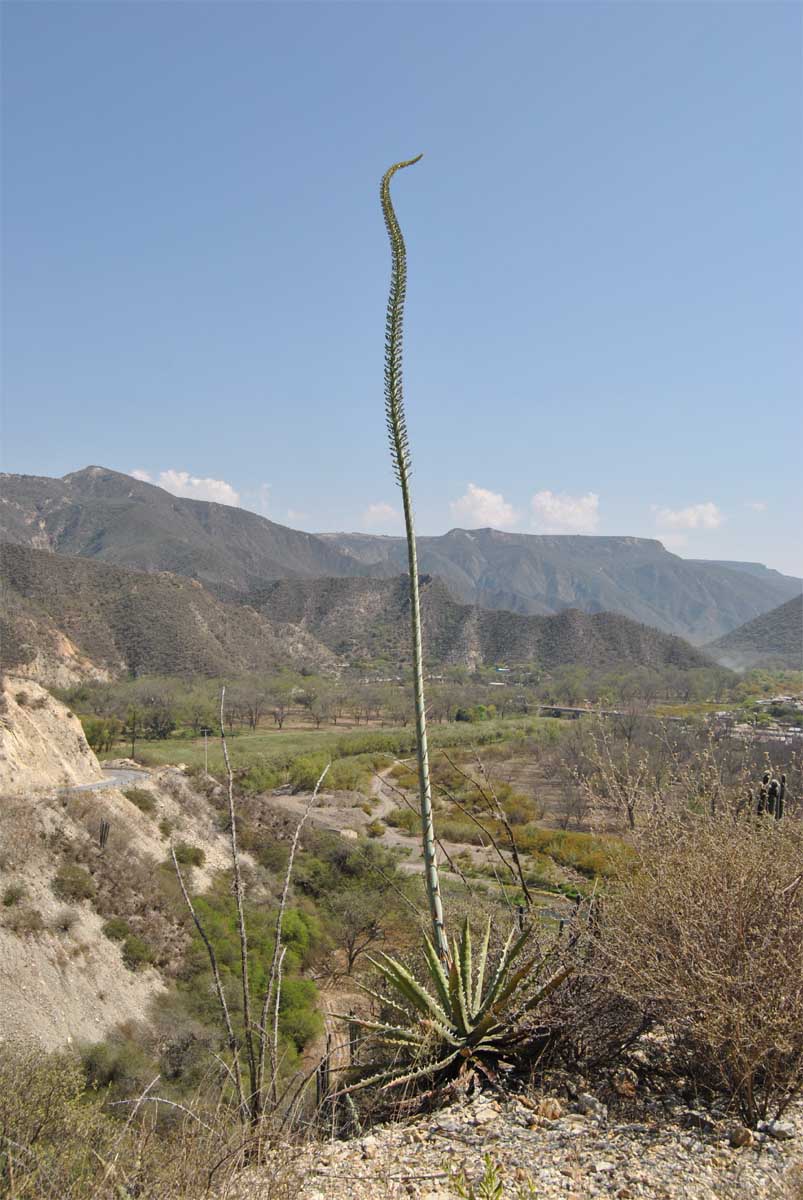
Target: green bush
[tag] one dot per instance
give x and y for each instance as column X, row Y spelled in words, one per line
column 141, row 798
column 73, row 883
column 404, row 818
column 117, row 929
column 57, row 1134
column 261, row 777
column 101, row 733
column 302, row 936
column 375, row 830
column 273, row 856
column 136, row 952
column 118, row 1065
column 13, row 894
column 189, row 856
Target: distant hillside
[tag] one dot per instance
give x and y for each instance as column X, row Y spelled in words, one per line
column 774, row 639
column 66, row 619
column 69, row 618
column 104, row 515
column 367, row 618
column 541, row 574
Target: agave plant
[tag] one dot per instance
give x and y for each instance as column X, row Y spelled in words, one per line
column 470, row 1021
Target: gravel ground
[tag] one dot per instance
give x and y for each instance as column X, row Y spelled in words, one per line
column 550, row 1150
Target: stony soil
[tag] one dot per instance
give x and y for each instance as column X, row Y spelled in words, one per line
column 555, row 1150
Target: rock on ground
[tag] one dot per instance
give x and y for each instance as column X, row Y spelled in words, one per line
column 575, row 1156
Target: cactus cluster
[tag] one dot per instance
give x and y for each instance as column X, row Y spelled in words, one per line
column 771, row 796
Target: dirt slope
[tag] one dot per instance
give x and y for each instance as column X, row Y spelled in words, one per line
column 42, row 744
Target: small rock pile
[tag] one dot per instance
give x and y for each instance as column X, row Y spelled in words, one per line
column 557, row 1150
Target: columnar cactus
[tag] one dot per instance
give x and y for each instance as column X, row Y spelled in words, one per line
column 771, row 796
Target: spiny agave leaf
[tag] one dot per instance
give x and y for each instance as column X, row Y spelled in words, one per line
column 464, row 955
column 438, row 974
column 400, row 978
column 510, row 952
column 513, row 982
column 459, row 1008
column 422, row 1072
column 384, row 1000
column 406, row 1033
column 380, row 1078
column 481, row 968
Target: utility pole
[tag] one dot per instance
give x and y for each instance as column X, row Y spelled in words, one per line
column 206, row 732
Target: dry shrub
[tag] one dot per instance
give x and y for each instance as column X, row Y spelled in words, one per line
column 20, row 832
column 24, row 921
column 66, row 1144
column 705, row 937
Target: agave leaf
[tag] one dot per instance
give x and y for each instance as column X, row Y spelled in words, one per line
column 400, row 978
column 513, row 983
column 422, row 1072
column 420, row 1035
column 438, row 974
column 385, row 1000
column 459, row 1008
column 465, row 964
column 380, row 1078
column 387, row 1031
column 481, row 968
column 510, row 952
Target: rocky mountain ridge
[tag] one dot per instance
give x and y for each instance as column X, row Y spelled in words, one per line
column 101, row 514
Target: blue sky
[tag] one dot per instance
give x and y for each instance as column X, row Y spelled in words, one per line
column 603, row 325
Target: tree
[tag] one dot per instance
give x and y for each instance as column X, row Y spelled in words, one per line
column 159, row 723
column 133, row 725
column 360, row 914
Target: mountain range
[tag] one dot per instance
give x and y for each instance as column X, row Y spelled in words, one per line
column 113, row 518
column 636, row 577
column 70, row 618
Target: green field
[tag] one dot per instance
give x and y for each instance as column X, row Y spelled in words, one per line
column 278, row 748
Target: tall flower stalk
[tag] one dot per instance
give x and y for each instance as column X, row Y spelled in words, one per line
column 400, row 453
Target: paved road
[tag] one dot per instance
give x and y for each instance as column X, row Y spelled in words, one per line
column 117, row 777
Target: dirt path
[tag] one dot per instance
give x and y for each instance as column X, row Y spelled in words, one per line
column 342, row 813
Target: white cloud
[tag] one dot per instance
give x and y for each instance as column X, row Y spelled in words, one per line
column 296, row 514
column 480, row 507
column 181, row 483
column 696, row 516
column 380, row 514
column 558, row 512
column 758, row 505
